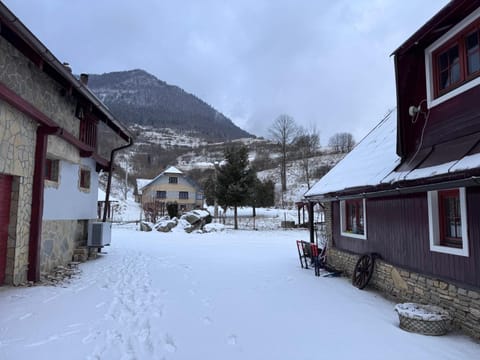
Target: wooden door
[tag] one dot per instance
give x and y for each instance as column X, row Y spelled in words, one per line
column 5, row 196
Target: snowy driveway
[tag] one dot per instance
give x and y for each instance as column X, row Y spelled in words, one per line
column 233, row 295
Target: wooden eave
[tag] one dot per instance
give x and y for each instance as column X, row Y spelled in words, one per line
column 439, row 24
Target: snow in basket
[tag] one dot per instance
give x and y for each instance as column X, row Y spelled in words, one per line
column 423, row 319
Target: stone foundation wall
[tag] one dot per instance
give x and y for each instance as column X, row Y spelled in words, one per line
column 407, row 286
column 59, row 240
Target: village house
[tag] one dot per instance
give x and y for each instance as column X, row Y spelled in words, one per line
column 170, row 186
column 409, row 192
column 49, row 155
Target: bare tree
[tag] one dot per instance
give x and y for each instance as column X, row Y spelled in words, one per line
column 307, row 144
column 284, row 130
column 342, row 142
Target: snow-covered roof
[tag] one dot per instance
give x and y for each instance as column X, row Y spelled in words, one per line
column 368, row 163
column 141, row 183
column 144, row 182
column 465, row 163
column 172, row 170
column 374, row 160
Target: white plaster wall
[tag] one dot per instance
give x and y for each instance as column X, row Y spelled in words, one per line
column 67, row 202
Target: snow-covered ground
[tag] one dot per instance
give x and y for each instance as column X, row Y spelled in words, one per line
column 228, row 295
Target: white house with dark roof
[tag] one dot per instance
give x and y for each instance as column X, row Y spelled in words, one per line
column 170, row 186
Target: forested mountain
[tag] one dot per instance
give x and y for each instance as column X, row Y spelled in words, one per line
column 137, row 97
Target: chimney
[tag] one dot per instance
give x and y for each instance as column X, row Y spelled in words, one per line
column 84, row 79
column 67, row 66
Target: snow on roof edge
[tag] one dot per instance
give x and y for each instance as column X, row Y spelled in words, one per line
column 367, row 164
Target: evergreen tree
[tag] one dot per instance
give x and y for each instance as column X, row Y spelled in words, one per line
column 235, row 180
column 263, row 194
column 209, row 190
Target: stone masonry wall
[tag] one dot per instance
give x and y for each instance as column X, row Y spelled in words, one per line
column 59, row 240
column 17, row 151
column 20, row 75
column 408, row 286
column 17, row 146
column 26, row 80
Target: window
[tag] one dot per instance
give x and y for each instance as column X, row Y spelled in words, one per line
column 161, row 194
column 183, row 195
column 173, row 180
column 51, row 169
column 447, row 213
column 453, row 61
column 353, row 220
column 448, row 64
column 450, row 218
column 473, row 52
column 85, row 178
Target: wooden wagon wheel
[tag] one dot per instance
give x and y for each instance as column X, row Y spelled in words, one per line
column 363, row 271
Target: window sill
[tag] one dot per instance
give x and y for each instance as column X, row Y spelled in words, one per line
column 353, row 235
column 455, row 92
column 51, row 184
column 84, row 190
column 449, row 250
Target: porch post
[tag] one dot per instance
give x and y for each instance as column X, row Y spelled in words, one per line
column 311, row 224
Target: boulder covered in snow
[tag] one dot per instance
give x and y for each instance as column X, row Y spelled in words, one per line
column 195, row 216
column 213, row 227
column 146, row 226
column 196, row 219
column 166, row 225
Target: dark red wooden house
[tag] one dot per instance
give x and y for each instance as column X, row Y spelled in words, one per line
column 410, row 190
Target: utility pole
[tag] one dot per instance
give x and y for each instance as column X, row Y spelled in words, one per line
column 215, row 207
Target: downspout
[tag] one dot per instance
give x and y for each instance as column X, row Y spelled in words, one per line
column 110, row 171
column 36, row 216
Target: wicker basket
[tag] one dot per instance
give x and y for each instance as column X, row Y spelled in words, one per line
column 423, row 319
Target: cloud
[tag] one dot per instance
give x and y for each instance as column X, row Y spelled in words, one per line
column 322, row 62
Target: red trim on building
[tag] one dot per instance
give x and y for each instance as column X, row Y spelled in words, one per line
column 37, row 204
column 31, row 111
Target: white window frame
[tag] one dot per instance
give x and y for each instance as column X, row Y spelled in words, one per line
column 434, row 225
column 430, row 76
column 343, row 222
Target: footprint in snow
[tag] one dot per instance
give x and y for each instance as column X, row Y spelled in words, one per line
column 25, row 316
column 99, row 305
column 170, row 344
column 207, row 320
column 232, row 340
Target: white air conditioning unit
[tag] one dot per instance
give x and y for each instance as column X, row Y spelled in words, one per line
column 99, row 234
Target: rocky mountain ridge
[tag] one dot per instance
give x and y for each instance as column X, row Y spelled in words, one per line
column 137, row 97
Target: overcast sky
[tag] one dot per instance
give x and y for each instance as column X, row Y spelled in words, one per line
column 324, row 62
